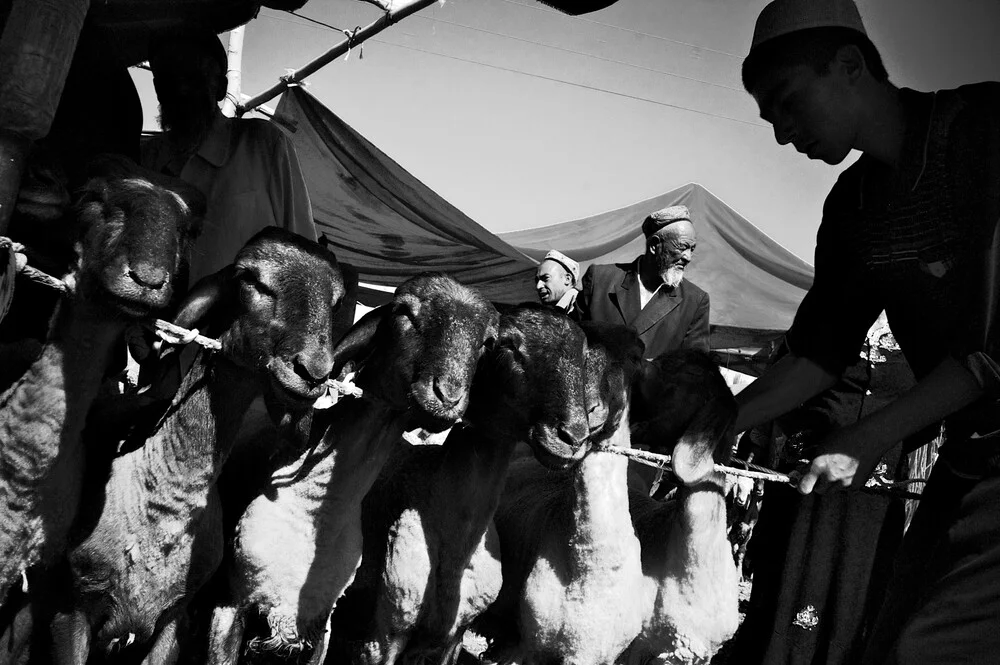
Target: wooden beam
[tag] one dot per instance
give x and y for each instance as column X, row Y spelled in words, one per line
column 388, row 18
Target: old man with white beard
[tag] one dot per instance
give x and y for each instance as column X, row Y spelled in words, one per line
column 650, row 294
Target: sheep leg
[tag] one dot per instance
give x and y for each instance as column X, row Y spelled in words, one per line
column 15, row 641
column 70, row 638
column 454, row 652
column 166, row 649
column 319, row 653
column 226, row 636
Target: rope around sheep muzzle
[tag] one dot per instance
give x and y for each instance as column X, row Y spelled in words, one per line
column 164, row 330
column 173, row 334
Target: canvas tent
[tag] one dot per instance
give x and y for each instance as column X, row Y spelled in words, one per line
column 390, row 226
column 386, row 223
column 754, row 283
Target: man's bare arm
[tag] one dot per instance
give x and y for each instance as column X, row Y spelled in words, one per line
column 848, row 454
column 790, row 382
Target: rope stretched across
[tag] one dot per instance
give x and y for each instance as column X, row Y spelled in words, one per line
column 175, row 334
column 167, row 331
column 659, row 461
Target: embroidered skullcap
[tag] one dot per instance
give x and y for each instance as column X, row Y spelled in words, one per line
column 657, row 220
column 568, row 264
column 196, row 38
column 782, row 17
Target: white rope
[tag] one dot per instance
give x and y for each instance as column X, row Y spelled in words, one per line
column 174, row 334
column 877, row 484
column 166, row 331
column 660, row 461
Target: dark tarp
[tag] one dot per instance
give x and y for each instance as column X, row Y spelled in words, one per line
column 754, row 283
column 128, row 25
column 386, row 223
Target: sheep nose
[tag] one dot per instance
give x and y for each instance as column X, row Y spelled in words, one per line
column 448, row 391
column 314, row 368
column 574, row 435
column 147, row 275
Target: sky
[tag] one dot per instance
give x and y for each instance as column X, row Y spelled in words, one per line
column 524, row 117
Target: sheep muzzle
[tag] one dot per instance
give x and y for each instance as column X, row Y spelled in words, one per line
column 558, row 446
column 289, row 386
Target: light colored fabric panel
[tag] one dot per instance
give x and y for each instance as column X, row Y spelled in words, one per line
column 754, row 283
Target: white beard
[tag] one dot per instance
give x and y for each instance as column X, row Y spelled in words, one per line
column 673, row 277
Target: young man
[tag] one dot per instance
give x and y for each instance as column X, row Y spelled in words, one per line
column 246, row 168
column 911, row 228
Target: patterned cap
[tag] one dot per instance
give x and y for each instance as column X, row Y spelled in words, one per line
column 657, row 220
column 571, row 266
column 782, row 17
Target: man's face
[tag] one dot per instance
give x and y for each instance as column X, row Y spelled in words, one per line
column 551, row 282
column 674, row 247
column 187, row 86
column 809, row 110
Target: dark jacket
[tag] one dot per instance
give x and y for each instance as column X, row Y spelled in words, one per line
column 671, row 320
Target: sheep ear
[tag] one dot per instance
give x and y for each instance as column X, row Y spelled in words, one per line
column 693, row 458
column 358, row 341
column 203, row 296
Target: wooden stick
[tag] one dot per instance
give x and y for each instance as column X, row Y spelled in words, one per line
column 370, row 30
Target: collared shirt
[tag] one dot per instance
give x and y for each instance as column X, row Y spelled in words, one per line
column 568, row 300
column 249, row 173
column 645, row 295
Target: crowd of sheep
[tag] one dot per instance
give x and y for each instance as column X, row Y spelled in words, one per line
column 145, row 526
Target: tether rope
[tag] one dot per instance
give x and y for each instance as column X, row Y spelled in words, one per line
column 875, row 485
column 174, row 334
column 165, row 330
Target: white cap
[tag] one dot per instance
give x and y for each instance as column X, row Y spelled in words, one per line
column 782, row 17
column 568, row 264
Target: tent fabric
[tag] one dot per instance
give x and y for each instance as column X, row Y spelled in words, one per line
column 383, row 221
column 754, row 283
column 380, row 219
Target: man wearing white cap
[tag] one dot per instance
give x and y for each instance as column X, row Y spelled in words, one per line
column 911, row 228
column 556, row 280
column 650, row 294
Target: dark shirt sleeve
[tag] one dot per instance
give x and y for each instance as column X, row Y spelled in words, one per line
column 586, row 295
column 697, row 335
column 831, row 323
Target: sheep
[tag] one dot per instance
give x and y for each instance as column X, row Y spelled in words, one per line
column 133, row 236
column 431, row 560
column 571, row 559
column 688, row 567
column 298, row 545
column 157, row 537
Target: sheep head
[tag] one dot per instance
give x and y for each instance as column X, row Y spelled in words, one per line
column 420, row 351
column 133, row 237
column 530, row 385
column 40, row 220
column 273, row 311
column 682, row 406
column 614, row 358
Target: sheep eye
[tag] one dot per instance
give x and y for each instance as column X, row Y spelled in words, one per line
column 489, row 343
column 512, row 348
column 251, row 279
column 407, row 313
